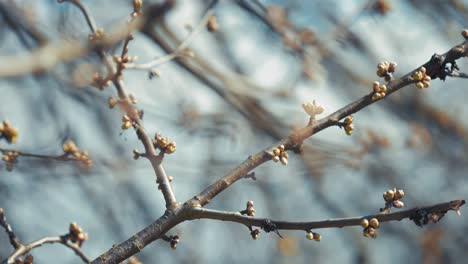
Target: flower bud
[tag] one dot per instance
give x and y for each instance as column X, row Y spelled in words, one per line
column 399, row 194
column 317, row 237
column 389, row 195
column 464, row 33
column 364, row 223
column 398, row 204
column 284, row 161
column 276, row 151
column 126, row 125
column 374, row 223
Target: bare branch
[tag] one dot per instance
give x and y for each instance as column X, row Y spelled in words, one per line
column 21, row 249
column 435, row 68
column 63, row 157
column 420, row 215
column 11, row 234
column 24, row 249
column 132, row 112
column 179, row 51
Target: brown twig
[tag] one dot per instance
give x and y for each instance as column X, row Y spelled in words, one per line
column 418, row 214
column 24, row 249
column 11, row 234
column 150, row 151
column 63, row 157
column 179, row 51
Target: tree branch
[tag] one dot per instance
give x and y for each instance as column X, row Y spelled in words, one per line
column 435, row 68
column 178, row 52
column 11, row 234
column 420, row 215
column 156, row 161
column 21, row 249
column 24, row 249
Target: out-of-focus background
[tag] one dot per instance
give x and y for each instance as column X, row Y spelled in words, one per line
column 242, row 92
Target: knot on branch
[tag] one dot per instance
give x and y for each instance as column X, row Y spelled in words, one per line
column 438, row 66
column 269, row 226
column 423, row 217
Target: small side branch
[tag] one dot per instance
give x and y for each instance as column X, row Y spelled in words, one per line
column 24, row 249
column 11, row 234
column 420, row 215
column 179, row 51
column 131, row 111
column 72, row 240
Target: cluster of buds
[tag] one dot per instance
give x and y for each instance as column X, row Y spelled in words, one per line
column 385, row 70
column 348, row 125
column 10, row 158
column 96, row 36
column 173, row 241
column 392, row 199
column 255, row 233
column 421, row 78
column 312, row 109
column 70, row 148
column 370, row 227
column 279, row 154
column 8, row 132
column 121, row 61
column 136, row 7
column 313, row 236
column 379, row 91
column 126, row 122
column 464, row 33
column 76, row 234
column 249, row 209
column 212, row 24
column 27, row 260
column 100, row 81
column 164, row 144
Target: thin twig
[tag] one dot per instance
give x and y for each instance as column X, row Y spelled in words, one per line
column 63, row 157
column 24, row 249
column 150, row 152
column 414, row 214
column 179, row 51
column 11, row 234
